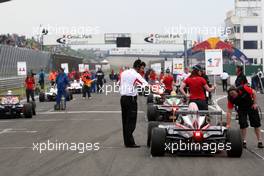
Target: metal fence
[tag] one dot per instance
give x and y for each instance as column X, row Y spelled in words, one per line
column 9, row 56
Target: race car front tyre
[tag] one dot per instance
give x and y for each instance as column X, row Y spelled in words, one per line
column 152, row 113
column 157, row 143
column 41, row 97
column 33, row 104
column 28, row 111
column 151, row 126
column 235, row 140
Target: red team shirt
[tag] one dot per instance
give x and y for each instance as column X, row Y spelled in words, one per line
column 230, row 105
column 168, row 81
column 196, row 86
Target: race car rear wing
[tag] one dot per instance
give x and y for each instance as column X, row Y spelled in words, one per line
column 219, row 113
column 175, row 96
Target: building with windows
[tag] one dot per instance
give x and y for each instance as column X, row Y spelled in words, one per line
column 244, row 26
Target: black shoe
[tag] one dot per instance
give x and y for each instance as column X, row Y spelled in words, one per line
column 260, row 145
column 133, row 146
column 245, row 144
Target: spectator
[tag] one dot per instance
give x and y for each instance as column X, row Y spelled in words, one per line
column 224, row 77
column 241, row 78
column 42, row 79
column 100, row 80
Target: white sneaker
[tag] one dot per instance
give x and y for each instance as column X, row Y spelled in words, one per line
column 84, row 98
column 90, row 98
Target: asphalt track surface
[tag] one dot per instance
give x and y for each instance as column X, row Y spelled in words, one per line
column 99, row 121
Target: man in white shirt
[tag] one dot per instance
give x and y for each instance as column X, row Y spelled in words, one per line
column 224, row 77
column 128, row 89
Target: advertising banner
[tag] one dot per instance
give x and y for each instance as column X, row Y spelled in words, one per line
column 65, row 66
column 214, row 62
column 178, row 65
column 21, row 68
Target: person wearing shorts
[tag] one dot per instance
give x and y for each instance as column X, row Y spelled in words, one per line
column 244, row 98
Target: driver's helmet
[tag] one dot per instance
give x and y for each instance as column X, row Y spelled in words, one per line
column 9, row 92
column 173, row 93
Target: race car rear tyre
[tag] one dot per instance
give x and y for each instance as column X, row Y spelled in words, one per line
column 41, row 97
column 152, row 113
column 157, row 143
column 33, row 104
column 150, row 98
column 28, row 110
column 235, row 140
column 151, row 126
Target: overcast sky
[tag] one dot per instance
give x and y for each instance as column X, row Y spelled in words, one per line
column 25, row 16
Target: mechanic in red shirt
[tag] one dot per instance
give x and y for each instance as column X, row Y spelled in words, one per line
column 30, row 86
column 245, row 99
column 168, row 81
column 152, row 77
column 196, row 84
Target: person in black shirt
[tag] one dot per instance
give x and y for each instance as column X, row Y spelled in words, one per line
column 241, row 78
column 245, row 99
column 100, row 80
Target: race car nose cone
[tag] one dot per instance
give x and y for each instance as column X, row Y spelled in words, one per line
column 198, row 136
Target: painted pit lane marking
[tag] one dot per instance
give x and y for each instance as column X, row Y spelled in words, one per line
column 10, row 130
column 83, row 112
column 255, row 153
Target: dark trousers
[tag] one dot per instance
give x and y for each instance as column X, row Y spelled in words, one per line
column 30, row 93
column 59, row 96
column 202, row 105
column 41, row 83
column 224, row 84
column 129, row 118
column 99, row 86
column 86, row 90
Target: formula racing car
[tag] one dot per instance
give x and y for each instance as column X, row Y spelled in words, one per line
column 76, row 87
column 192, row 129
column 10, row 106
column 166, row 111
column 52, row 93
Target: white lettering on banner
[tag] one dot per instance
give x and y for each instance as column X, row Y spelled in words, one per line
column 214, row 62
